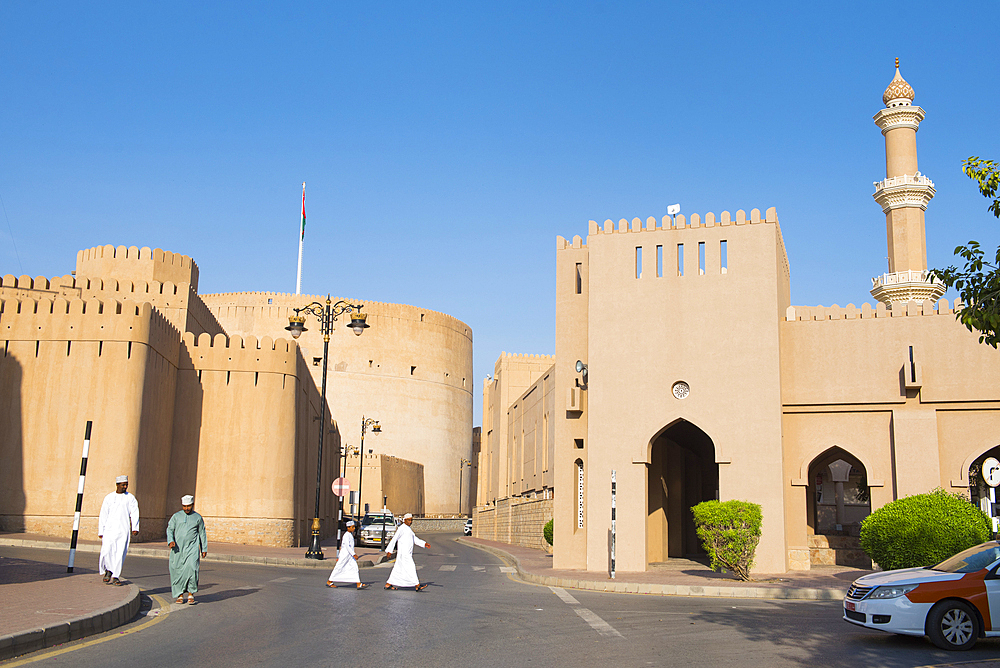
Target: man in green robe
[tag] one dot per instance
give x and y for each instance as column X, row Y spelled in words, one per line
column 188, row 542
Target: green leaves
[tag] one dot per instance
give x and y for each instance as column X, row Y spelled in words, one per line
column 923, row 530
column 730, row 532
column 978, row 283
column 547, row 532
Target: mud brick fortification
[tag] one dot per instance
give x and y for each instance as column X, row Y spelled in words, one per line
column 204, row 395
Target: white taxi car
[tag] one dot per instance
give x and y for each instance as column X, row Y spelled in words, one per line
column 952, row 603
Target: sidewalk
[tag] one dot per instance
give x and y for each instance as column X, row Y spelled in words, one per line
column 679, row 577
column 41, row 605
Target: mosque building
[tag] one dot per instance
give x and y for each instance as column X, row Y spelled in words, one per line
column 720, row 388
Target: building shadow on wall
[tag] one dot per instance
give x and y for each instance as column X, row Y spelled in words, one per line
column 186, row 442
column 12, row 493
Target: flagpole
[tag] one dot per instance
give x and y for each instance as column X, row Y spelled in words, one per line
column 302, row 236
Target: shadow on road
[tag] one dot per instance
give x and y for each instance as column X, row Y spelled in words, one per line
column 821, row 632
column 223, row 595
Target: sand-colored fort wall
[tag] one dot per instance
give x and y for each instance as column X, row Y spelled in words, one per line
column 137, row 264
column 411, row 370
column 67, row 362
column 394, row 482
column 239, row 397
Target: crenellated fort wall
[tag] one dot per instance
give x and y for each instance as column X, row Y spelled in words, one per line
column 411, row 371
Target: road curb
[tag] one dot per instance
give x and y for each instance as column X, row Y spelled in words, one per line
column 32, row 640
column 138, row 551
column 705, row 591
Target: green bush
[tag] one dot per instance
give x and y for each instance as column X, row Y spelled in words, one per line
column 547, row 532
column 730, row 531
column 923, row 530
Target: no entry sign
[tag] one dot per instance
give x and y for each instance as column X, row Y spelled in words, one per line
column 341, row 487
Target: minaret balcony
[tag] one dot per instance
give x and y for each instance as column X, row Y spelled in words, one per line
column 899, row 192
column 907, row 286
column 904, row 116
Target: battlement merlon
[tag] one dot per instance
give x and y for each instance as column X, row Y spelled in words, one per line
column 137, row 264
column 109, row 320
column 867, row 311
column 237, row 353
column 678, row 222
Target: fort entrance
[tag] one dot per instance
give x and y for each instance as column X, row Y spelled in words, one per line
column 681, row 473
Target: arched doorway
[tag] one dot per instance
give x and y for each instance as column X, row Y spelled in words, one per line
column 838, row 498
column 681, row 473
column 979, row 491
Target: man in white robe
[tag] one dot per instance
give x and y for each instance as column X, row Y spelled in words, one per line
column 119, row 521
column 404, row 571
column 346, row 569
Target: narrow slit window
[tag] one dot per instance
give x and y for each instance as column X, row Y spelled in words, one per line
column 579, row 278
column 638, row 261
column 680, row 259
column 724, row 252
column 701, row 258
column 659, row 261
column 412, row 369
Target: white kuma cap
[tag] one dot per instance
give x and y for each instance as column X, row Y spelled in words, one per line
column 407, row 516
column 121, row 478
column 187, row 500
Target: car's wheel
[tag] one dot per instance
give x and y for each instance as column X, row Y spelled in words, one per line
column 953, row 625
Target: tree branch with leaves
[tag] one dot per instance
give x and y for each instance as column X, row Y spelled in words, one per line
column 978, row 283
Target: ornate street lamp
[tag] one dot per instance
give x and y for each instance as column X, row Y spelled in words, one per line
column 327, row 315
column 376, row 429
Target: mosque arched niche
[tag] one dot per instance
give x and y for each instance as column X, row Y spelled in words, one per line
column 979, row 491
column 681, row 472
column 838, row 497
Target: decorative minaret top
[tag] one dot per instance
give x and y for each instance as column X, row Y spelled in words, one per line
column 899, row 93
column 903, row 196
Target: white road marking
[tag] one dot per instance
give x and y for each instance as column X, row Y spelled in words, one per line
column 588, row 616
column 508, row 569
column 252, row 587
column 278, row 580
column 479, row 568
column 447, row 568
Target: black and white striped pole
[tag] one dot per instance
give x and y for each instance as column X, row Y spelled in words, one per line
column 613, row 492
column 79, row 498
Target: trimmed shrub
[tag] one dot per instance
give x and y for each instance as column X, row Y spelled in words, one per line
column 547, row 532
column 730, row 532
column 923, row 530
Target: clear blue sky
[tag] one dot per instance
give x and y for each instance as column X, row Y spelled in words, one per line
column 445, row 145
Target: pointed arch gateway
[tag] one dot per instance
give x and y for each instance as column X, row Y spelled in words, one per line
column 838, row 497
column 682, row 472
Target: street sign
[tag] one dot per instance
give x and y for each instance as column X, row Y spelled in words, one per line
column 341, row 486
column 991, row 472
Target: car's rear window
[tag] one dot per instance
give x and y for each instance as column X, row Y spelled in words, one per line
column 971, row 560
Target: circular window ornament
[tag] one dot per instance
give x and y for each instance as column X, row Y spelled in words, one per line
column 681, row 389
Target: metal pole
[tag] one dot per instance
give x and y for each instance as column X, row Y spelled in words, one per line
column 613, row 493
column 361, row 468
column 79, row 497
column 461, row 472
column 315, row 550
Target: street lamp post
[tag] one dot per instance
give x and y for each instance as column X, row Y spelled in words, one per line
column 327, row 315
column 376, row 429
column 461, row 470
column 348, row 450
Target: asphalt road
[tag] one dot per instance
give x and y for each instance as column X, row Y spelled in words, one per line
column 473, row 614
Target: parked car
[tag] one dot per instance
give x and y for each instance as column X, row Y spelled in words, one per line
column 376, row 526
column 468, row 527
column 951, row 603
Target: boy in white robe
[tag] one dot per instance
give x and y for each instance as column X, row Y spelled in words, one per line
column 119, row 521
column 346, row 569
column 404, row 571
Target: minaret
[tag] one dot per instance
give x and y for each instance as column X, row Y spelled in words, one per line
column 903, row 195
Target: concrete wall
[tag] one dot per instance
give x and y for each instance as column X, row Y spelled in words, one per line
column 516, row 521
column 397, row 483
